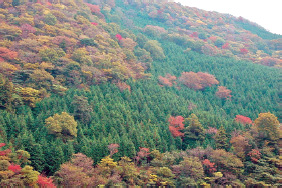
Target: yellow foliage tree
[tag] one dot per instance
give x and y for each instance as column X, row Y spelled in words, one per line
column 30, row 175
column 267, row 127
column 62, row 125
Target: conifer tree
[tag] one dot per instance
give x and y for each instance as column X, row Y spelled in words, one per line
column 221, row 139
column 82, row 109
column 193, row 131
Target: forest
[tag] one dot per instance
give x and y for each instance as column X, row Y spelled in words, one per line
column 129, row 93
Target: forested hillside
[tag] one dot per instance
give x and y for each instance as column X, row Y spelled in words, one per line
column 126, row 93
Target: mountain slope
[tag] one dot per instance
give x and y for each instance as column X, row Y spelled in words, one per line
column 122, row 71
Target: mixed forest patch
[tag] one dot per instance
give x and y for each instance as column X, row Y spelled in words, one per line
column 126, row 92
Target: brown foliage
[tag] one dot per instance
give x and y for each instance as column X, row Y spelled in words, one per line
column 197, row 81
column 168, row 80
column 223, row 92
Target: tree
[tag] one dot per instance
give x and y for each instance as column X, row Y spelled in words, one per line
column 29, row 95
column 225, row 161
column 176, row 125
column 62, row 125
column 113, row 148
column 240, row 144
column 209, row 167
column 82, row 109
column 168, row 80
column 154, row 47
column 193, row 131
column 72, row 176
column 127, row 170
column 221, row 139
column 6, row 94
column 267, row 126
column 7, row 54
column 223, row 92
column 45, row 182
column 243, row 119
column 30, row 176
column 197, row 81
column 189, row 167
column 50, row 19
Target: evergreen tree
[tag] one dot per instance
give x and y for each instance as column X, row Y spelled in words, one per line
column 221, row 139
column 193, row 131
column 82, row 109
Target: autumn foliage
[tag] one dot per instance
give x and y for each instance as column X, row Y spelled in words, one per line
column 176, row 125
column 118, row 36
column 15, row 168
column 209, row 166
column 255, row 155
column 243, row 119
column 6, row 54
column 197, row 81
column 223, row 92
column 45, row 182
column 168, row 80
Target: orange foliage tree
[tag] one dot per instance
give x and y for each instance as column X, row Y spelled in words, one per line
column 6, row 54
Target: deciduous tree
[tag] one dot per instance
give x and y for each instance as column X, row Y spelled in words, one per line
column 62, row 125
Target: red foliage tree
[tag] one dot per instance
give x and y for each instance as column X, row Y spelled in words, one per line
column 118, row 36
column 94, row 8
column 209, row 166
column 15, row 168
column 240, row 144
column 244, row 51
column 5, row 152
column 94, row 23
column 45, row 182
column 176, row 124
column 2, row 145
column 225, row 46
column 175, row 131
column 164, row 81
column 243, row 119
column 255, row 155
column 197, row 81
column 223, row 92
column 143, row 153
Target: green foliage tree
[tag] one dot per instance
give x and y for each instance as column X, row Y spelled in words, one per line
column 193, row 131
column 6, row 95
column 82, row 110
column 50, row 19
column 221, row 139
column 155, row 49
